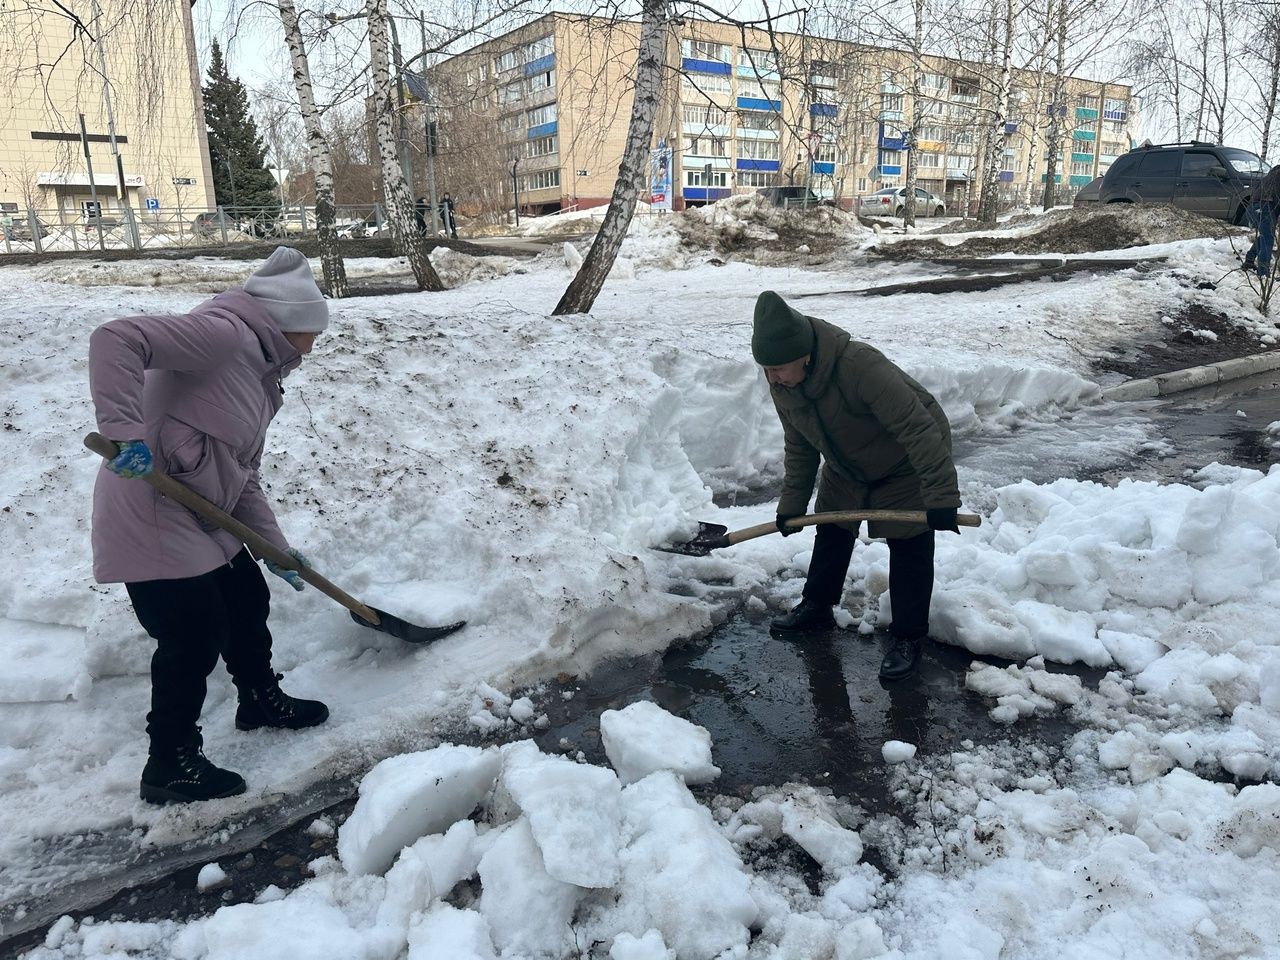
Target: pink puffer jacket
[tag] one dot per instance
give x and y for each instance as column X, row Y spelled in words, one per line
column 201, row 390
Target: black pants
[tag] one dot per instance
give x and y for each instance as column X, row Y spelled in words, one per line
column 194, row 621
column 910, row 576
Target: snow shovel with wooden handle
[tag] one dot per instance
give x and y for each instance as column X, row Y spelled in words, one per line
column 361, row 613
column 714, row 536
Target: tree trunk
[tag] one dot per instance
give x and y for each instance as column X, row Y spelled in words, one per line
column 989, row 204
column 1273, row 83
column 395, row 190
column 650, row 69
column 913, row 130
column 1057, row 109
column 335, row 271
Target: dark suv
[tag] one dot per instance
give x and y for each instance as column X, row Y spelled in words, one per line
column 1204, row 178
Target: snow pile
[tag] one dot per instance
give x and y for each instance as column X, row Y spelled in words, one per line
column 644, row 738
column 752, row 227
column 456, row 268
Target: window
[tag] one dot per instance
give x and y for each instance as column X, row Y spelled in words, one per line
column 757, row 178
column 759, row 120
column 540, row 147
column 929, row 160
column 1245, row 162
column 760, row 89
column 539, row 48
column 966, row 91
column 862, row 184
column 892, row 101
column 505, row 62
column 932, row 81
column 759, row 149
column 1089, row 102
column 543, row 180
column 1079, row 169
column 543, row 81
column 932, row 133
column 540, row 115
column 704, row 115
column 1163, row 163
column 510, row 93
column 822, row 74
column 1082, row 146
column 826, row 153
column 890, row 158
column 1114, row 126
column 707, row 147
column 1113, row 148
column 698, row 178
column 1128, row 164
column 962, row 137
column 1115, row 109
column 760, row 61
column 704, row 50
column 702, row 84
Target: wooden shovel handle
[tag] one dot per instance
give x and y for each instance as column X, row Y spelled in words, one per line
column 846, row 516
column 171, row 488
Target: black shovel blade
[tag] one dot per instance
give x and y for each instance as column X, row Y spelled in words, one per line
column 711, row 536
column 406, row 631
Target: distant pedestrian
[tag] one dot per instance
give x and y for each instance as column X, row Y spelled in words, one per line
column 446, row 214
column 1265, row 210
column 421, row 208
column 6, row 222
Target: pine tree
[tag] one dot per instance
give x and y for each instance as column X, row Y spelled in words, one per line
column 241, row 181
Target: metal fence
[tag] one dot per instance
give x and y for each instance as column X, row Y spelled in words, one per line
column 49, row 231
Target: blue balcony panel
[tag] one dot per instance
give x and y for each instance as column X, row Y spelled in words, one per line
column 826, row 169
column 892, row 143
column 755, row 103
column 1084, row 135
column 705, row 66
column 891, row 170
column 543, row 130
column 758, row 71
column 1006, row 176
column 822, row 109
column 745, row 163
column 705, row 193
column 1010, row 128
column 1080, row 181
column 541, row 65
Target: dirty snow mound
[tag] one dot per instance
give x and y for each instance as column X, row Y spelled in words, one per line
column 754, row 229
column 1074, row 230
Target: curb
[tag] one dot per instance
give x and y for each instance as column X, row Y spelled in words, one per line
column 1193, row 377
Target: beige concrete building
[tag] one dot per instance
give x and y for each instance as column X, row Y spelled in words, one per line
column 544, row 110
column 53, row 72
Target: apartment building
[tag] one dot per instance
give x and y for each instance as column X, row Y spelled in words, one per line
column 542, row 112
column 142, row 76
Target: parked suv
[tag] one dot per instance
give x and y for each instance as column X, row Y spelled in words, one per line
column 1203, row 178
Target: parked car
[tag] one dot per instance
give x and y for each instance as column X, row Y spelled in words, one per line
column 356, row 229
column 210, row 224
column 1204, row 178
column 793, row 196
column 21, row 230
column 1087, row 196
column 891, row 201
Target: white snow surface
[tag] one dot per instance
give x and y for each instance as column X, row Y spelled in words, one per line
column 465, row 455
column 642, row 738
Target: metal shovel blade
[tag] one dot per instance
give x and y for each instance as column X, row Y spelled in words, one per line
column 404, row 630
column 711, row 536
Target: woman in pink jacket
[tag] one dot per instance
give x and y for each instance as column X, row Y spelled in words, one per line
column 194, row 394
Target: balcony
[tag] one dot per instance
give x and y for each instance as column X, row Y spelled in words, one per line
column 543, row 130
column 746, row 163
column 891, row 143
column 761, row 70
column 964, row 97
column 890, row 170
column 892, row 115
column 1120, row 115
column 1083, row 135
column 541, row 65
column 822, row 80
column 1006, row 176
column 1057, row 178
column 822, row 109
column 890, row 88
column 690, row 65
column 959, row 173
column 930, row 146
column 1082, row 158
column 1108, row 158
column 1086, row 113
column 705, row 129
column 748, row 133
column 826, row 169
column 1079, row 181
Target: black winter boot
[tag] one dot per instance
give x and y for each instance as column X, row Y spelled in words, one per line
column 901, row 660
column 182, row 774
column 807, row 615
column 269, row 706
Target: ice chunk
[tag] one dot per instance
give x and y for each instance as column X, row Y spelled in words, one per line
column 43, row 662
column 643, row 738
column 1062, row 635
column 897, row 751
column 298, row 926
column 626, row 946
column 573, row 813
column 211, row 875
column 980, row 620
column 412, row 795
column 447, row 932
column 807, row 819
column 528, row 909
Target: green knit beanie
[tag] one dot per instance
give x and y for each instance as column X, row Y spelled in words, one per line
column 779, row 334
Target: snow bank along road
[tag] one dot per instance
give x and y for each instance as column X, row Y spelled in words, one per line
column 464, row 456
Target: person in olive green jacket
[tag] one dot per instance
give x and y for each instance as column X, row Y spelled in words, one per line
column 883, row 443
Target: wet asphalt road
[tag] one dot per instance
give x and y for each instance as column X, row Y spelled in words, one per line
column 814, row 710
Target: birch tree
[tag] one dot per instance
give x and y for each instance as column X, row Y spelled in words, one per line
column 650, row 69
column 1002, row 51
column 396, row 191
column 331, row 262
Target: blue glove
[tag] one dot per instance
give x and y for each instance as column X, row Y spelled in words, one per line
column 133, row 460
column 291, row 577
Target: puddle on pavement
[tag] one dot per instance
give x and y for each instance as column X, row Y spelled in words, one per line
column 810, row 710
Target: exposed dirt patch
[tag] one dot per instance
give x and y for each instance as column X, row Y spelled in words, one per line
column 1083, row 230
column 1195, row 336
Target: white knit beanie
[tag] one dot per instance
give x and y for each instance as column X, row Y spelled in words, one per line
column 285, row 285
